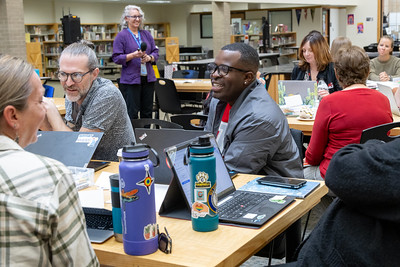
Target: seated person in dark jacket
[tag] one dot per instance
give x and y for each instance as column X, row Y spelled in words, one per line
column 362, row 226
column 316, row 63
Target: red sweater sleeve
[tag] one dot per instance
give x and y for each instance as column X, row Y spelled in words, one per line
column 319, row 137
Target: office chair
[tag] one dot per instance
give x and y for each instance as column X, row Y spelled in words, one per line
column 267, row 77
column 48, row 90
column 185, row 120
column 188, row 98
column 147, row 122
column 168, row 98
column 379, row 132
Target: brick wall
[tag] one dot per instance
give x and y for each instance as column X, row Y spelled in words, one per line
column 12, row 30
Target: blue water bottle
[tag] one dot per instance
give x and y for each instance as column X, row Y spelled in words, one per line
column 138, row 207
column 203, row 182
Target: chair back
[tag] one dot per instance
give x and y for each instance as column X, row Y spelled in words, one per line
column 298, row 137
column 380, row 132
column 167, row 96
column 48, row 90
column 185, row 120
column 186, row 74
column 148, row 122
column 267, row 77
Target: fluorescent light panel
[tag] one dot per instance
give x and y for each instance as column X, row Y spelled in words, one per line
column 158, row 1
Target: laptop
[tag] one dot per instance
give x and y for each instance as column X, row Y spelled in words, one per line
column 71, row 148
column 99, row 225
column 159, row 139
column 303, row 88
column 177, row 201
column 387, row 91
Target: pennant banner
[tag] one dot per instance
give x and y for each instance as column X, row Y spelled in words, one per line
column 305, row 13
column 312, row 13
column 298, row 15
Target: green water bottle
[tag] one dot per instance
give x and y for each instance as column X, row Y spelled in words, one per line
column 203, row 181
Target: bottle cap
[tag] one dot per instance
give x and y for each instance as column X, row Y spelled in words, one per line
column 135, row 151
column 202, row 146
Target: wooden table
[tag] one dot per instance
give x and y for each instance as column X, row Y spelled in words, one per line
column 192, row 85
column 306, row 126
column 60, row 104
column 227, row 246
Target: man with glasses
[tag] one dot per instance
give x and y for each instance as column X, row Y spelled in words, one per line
column 92, row 104
column 251, row 130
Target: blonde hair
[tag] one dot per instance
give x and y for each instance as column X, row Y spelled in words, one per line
column 339, row 42
column 126, row 13
column 15, row 86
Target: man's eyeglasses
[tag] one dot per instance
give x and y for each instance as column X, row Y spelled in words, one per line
column 164, row 241
column 222, row 69
column 135, row 17
column 76, row 77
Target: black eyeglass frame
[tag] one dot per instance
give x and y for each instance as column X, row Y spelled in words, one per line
column 70, row 75
column 217, row 67
column 164, row 241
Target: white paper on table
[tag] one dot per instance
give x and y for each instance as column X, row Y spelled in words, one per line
column 92, row 198
column 184, row 81
column 160, row 192
column 104, row 180
column 293, row 100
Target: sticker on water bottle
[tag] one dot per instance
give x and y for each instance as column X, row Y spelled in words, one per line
column 149, row 231
column 199, row 210
column 200, row 195
column 202, row 180
column 148, row 180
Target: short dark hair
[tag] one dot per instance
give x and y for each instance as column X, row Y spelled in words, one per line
column 352, row 66
column 248, row 55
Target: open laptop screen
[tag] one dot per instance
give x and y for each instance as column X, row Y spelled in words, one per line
column 175, row 156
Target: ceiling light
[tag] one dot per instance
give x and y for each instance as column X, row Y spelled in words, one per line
column 158, row 1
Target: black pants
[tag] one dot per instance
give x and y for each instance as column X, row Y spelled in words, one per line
column 139, row 98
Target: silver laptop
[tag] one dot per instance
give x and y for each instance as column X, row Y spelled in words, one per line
column 254, row 211
column 295, row 87
column 387, row 91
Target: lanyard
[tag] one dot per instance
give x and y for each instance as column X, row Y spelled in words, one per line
column 134, row 37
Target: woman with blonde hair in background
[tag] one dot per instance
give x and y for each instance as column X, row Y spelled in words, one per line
column 385, row 67
column 41, row 220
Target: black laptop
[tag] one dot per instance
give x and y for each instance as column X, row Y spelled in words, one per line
column 71, row 148
column 236, row 207
column 159, row 139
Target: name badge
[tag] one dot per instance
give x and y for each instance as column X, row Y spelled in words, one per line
column 143, row 70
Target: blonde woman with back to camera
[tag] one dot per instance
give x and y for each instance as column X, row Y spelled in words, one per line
column 42, row 223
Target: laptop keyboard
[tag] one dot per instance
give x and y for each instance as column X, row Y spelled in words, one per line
column 240, row 204
column 98, row 218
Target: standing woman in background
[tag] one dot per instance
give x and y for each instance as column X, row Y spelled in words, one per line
column 316, row 63
column 135, row 50
column 385, row 67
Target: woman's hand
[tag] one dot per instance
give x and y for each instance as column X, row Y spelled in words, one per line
column 323, row 93
column 384, row 77
column 136, row 54
column 146, row 58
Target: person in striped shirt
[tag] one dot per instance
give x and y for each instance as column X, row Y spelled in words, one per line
column 41, row 220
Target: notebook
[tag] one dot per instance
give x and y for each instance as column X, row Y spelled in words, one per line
column 71, row 148
column 387, row 91
column 305, row 89
column 159, row 139
column 177, row 201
